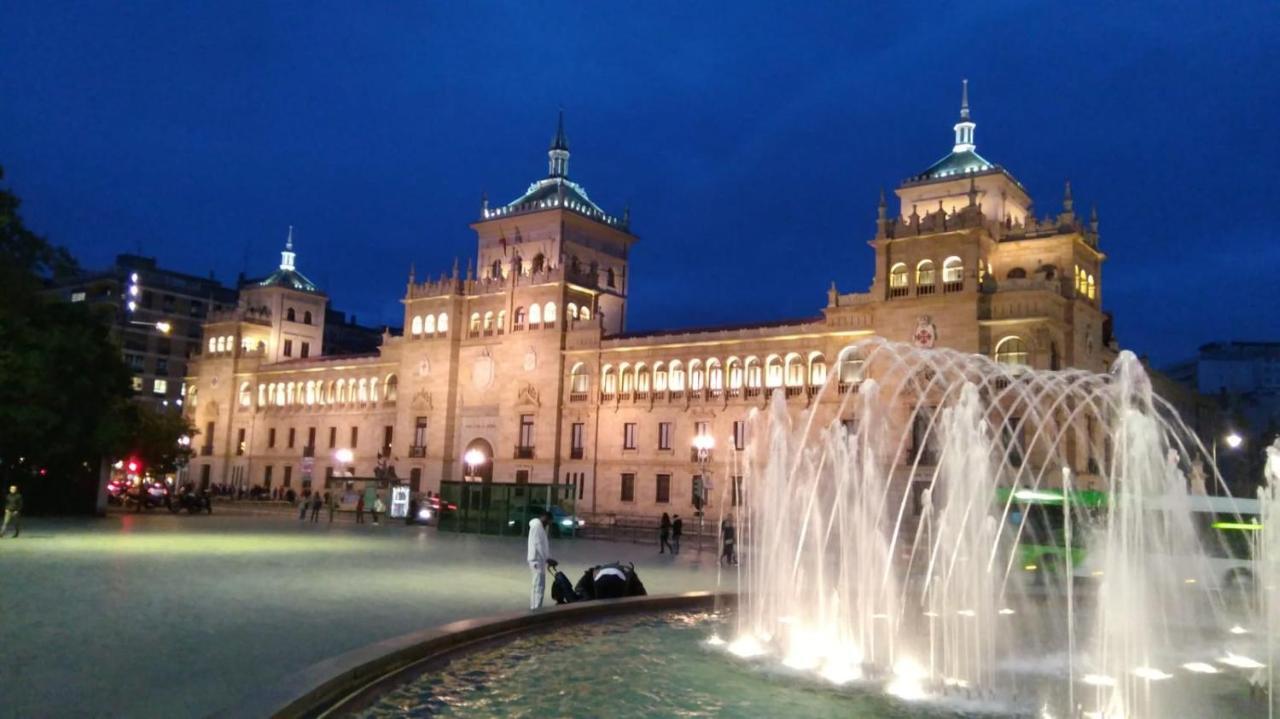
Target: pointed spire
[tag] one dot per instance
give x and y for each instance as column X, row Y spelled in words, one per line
column 626, row 215
column 455, row 268
column 484, row 204
column 558, row 153
column 964, row 128
column 1068, row 204
column 1093, row 219
column 412, row 273
column 882, row 207
column 973, row 192
column 288, row 257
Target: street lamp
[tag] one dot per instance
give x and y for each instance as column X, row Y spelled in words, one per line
column 345, row 456
column 1233, row 440
column 702, row 445
column 473, row 459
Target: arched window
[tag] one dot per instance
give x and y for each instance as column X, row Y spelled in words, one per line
column 429, row 325
column 495, row 271
column 535, row 314
column 362, row 393
column 1048, row 272
column 584, row 313
column 642, row 378
column 213, row 345
column 475, row 322
column 675, row 376
column 373, row 389
column 442, row 323
column 659, row 377
column 262, row 396
column 193, row 395
column 311, row 393
column 342, row 392
column 246, row 394
column 898, row 276
column 538, row 261
column 926, row 275
column 628, row 379
column 549, row 314
column 608, row 380
column 579, row 380
column 488, row 321
column 306, row 317
column 735, row 374
column 952, row 274
column 1092, row 288
column 1011, row 351
column 697, row 378
column 610, row 279
column 773, row 371
column 795, row 370
column 222, row 344
column 280, row 395
column 1017, row 273
column 850, row 367
column 416, row 325
column 571, row 312
column 393, row 387
column 817, row 370
column 715, row 375
column 519, row 319
column 289, row 315
column 754, row 373
column 289, row 394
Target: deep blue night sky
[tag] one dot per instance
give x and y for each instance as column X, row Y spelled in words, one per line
column 751, row 145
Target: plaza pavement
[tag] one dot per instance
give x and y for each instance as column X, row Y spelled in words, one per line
column 157, row 615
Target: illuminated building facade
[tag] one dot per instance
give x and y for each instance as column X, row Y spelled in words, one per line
column 525, row 356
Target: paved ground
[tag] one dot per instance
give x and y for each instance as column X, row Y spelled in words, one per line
column 175, row 616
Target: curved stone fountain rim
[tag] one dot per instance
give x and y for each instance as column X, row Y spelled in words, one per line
column 327, row 685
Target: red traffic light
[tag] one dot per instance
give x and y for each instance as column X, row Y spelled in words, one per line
column 133, row 466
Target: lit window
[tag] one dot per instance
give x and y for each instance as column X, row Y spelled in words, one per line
column 416, row 326
column 442, row 323
column 925, row 273
column 578, row 379
column 898, row 276
column 1011, row 351
column 137, row 384
column 952, row 270
column 429, row 324
column 817, row 371
column 535, row 314
column 160, row 387
column 77, row 297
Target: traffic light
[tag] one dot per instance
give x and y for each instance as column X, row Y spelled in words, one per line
column 133, row 465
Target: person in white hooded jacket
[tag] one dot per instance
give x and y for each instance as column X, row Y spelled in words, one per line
column 539, row 557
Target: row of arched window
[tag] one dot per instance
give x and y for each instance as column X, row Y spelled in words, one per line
column 218, row 345
column 926, row 277
column 695, row 375
column 292, row 316
column 1012, row 350
column 429, row 325
column 536, row 315
column 1085, row 285
column 319, row 392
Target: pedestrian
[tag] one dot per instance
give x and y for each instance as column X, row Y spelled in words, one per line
column 360, row 509
column 378, row 506
column 316, row 504
column 728, row 536
column 677, row 529
column 664, row 534
column 331, row 499
column 302, row 507
column 538, row 556
column 12, row 512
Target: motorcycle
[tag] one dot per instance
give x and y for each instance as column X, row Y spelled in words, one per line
column 191, row 502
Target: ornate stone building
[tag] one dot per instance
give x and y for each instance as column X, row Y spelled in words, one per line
column 525, row 358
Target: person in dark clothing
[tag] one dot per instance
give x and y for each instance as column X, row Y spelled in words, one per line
column 610, row 581
column 728, row 538
column 664, row 534
column 316, row 503
column 677, row 529
column 360, row 509
column 12, row 512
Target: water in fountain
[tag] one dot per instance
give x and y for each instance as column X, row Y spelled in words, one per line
column 1267, row 551
column 876, row 550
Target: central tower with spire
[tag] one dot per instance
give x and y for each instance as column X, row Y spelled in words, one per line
column 558, row 153
column 964, row 128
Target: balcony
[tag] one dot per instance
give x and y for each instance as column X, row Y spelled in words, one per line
column 898, row 291
column 847, row 387
column 523, row 452
column 417, row 451
column 575, row 453
column 926, row 289
column 705, row 454
column 753, row 392
column 794, row 391
column 641, row 395
column 953, row 286
column 577, row 396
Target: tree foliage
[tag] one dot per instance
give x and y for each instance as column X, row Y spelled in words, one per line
column 64, row 389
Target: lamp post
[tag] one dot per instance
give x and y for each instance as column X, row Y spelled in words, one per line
column 473, row 459
column 1233, row 440
column 345, row 456
column 702, row 444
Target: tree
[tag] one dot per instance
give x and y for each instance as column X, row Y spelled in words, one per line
column 64, row 389
column 156, row 439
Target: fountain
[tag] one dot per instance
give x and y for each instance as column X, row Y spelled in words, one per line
column 886, row 544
